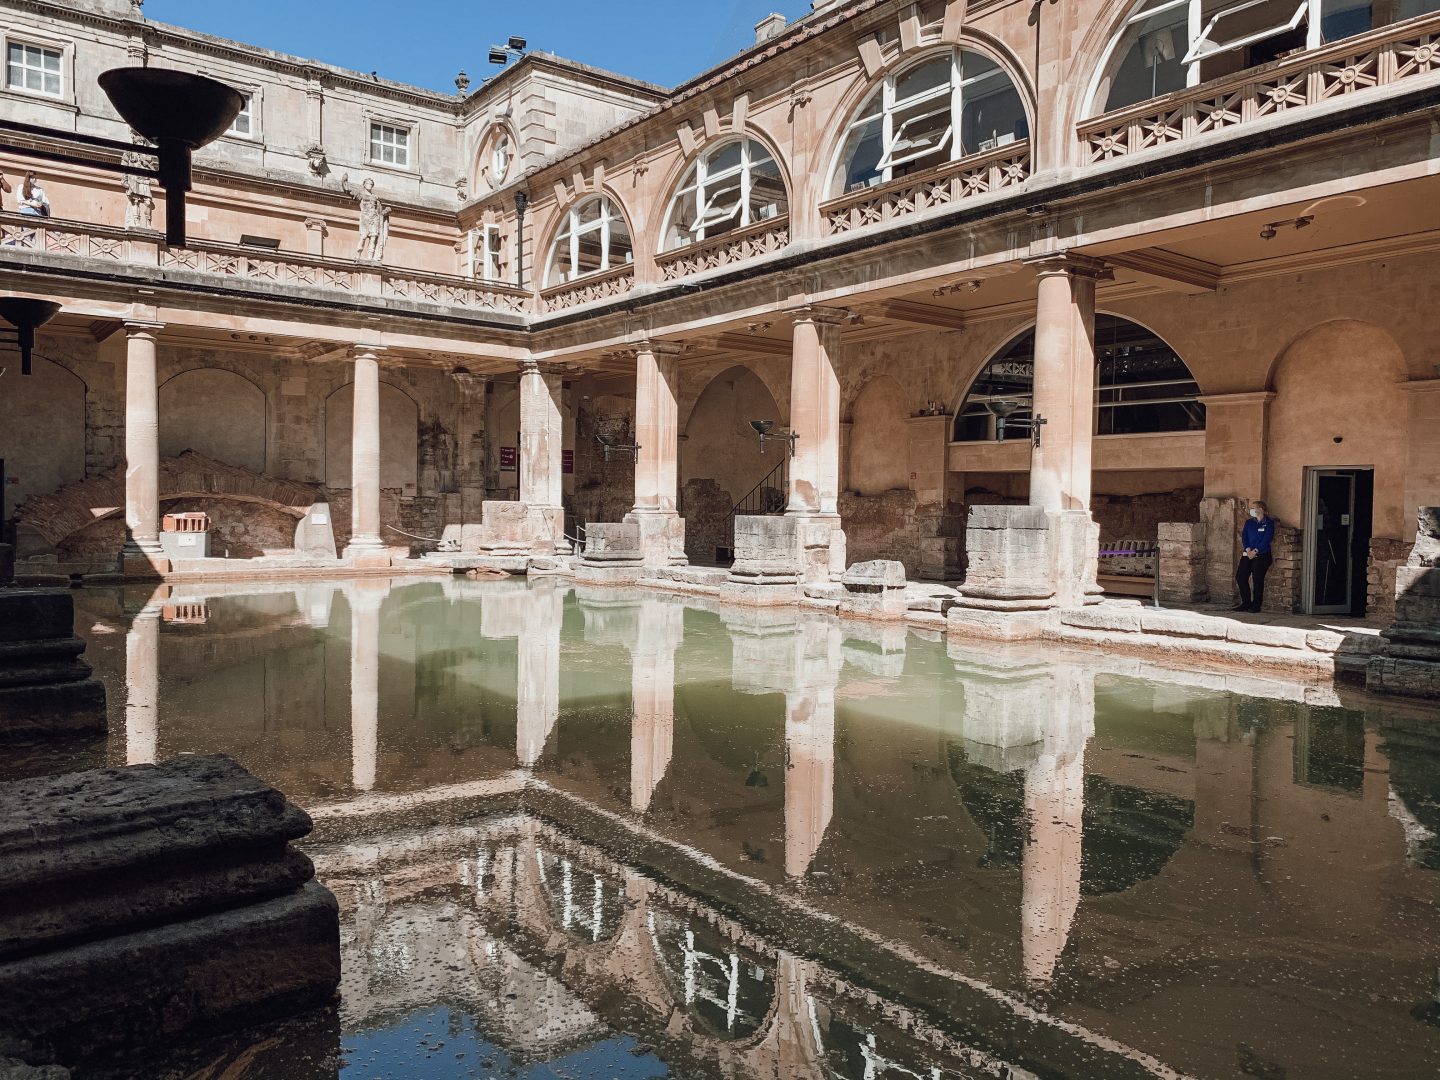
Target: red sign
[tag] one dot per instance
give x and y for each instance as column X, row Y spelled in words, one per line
column 509, row 458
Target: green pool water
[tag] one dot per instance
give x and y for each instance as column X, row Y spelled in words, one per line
column 598, row 833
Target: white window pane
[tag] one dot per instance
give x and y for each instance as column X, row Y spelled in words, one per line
column 920, row 80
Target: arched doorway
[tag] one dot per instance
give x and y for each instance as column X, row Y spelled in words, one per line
column 721, row 461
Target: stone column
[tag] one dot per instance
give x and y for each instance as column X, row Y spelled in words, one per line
column 142, row 553
column 315, row 234
column 366, row 548
column 542, row 441
column 366, row 599
column 1061, row 466
column 142, row 687
column 807, row 545
column 652, row 692
column 657, row 467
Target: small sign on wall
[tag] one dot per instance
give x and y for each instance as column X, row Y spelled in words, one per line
column 509, row 458
column 567, row 462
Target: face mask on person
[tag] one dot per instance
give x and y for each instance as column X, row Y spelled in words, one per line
column 1254, row 513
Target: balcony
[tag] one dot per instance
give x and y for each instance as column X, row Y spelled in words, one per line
column 1408, row 52
column 277, row 271
column 598, row 286
column 762, row 238
column 1003, row 167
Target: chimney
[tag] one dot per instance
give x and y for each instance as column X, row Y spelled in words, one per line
column 769, row 27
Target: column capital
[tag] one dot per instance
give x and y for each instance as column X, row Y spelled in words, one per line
column 372, row 352
column 1071, row 264
column 541, row 367
column 316, row 223
column 142, row 328
column 815, row 313
column 659, row 348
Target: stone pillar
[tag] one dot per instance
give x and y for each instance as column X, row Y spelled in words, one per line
column 142, row 687
column 807, row 545
column 366, row 548
column 542, row 441
column 652, row 692
column 142, row 554
column 657, row 467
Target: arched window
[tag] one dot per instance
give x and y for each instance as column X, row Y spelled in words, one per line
column 1166, row 45
column 593, row 237
column 1142, row 386
column 942, row 108
column 730, row 186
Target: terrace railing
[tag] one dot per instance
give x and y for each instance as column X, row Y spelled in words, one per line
column 753, row 240
column 83, row 240
column 1382, row 57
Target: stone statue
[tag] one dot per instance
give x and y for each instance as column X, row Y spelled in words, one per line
column 140, row 203
column 374, row 220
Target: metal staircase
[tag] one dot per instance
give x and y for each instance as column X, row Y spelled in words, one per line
column 766, row 497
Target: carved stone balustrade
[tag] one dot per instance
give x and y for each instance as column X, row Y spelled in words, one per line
column 1366, row 62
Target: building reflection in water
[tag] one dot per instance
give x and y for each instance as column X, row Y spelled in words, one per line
column 1035, row 791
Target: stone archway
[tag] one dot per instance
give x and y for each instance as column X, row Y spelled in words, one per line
column 215, row 412
column 42, row 432
column 720, row 458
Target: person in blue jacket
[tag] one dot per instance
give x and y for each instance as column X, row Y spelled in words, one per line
column 1255, row 538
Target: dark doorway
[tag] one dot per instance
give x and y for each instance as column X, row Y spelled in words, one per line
column 1339, row 511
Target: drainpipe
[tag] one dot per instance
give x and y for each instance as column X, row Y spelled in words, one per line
column 522, row 202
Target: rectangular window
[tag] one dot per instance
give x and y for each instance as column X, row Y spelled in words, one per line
column 390, row 145
column 489, row 252
column 244, row 123
column 33, row 68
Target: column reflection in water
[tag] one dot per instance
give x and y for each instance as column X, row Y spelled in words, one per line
column 652, row 691
column 777, row 653
column 531, row 614
column 1035, row 716
column 366, row 597
column 142, row 686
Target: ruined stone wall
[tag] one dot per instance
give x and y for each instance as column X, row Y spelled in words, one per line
column 1138, row 517
column 1386, row 557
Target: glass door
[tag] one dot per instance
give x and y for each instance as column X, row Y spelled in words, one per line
column 1329, row 541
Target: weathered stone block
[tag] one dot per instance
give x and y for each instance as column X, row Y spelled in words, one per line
column 45, row 687
column 1181, row 532
column 139, row 904
column 765, row 551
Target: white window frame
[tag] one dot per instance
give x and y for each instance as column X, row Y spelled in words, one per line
column 498, row 173
column 248, row 111
column 65, row 72
column 487, row 253
column 572, row 229
column 895, row 149
column 1198, row 30
column 380, row 125
column 698, row 198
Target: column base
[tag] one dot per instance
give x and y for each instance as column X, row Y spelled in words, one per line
column 367, row 554
column 143, row 559
column 793, row 549
column 1028, row 559
column 661, row 536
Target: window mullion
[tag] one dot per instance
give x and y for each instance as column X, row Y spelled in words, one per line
column 1313, row 25
column 744, row 183
column 604, row 237
column 1196, row 25
column 887, row 127
column 957, row 104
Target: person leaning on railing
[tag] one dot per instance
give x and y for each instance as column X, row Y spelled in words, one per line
column 33, row 200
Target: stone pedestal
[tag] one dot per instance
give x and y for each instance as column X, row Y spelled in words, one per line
column 875, row 590
column 45, row 687
column 1409, row 662
column 142, row 905
column 765, row 551
column 613, row 554
column 516, row 529
column 1182, row 563
column 1009, row 552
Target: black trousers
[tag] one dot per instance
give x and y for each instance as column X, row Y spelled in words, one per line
column 1253, row 569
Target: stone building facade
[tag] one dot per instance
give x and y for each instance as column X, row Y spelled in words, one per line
column 1196, row 239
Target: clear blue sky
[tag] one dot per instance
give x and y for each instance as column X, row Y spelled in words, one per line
column 425, row 42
